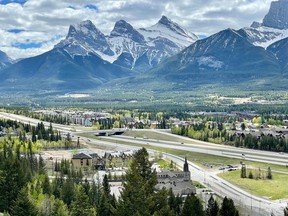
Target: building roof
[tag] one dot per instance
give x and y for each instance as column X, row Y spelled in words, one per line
column 81, row 156
column 94, row 155
column 178, row 188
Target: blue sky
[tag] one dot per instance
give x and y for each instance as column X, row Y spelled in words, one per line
column 31, row 27
column 4, row 2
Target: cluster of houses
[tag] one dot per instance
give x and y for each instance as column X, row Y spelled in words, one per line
column 85, row 118
column 276, row 133
column 179, row 181
column 109, row 160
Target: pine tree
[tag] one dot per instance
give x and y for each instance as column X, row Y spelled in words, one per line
column 81, row 206
column 250, row 176
column 106, row 186
column 41, row 166
column 23, row 205
column 192, row 206
column 269, row 174
column 139, row 186
column 243, row 171
column 59, row 208
column 94, row 194
column 228, row 208
column 104, row 207
column 46, row 187
column 68, row 191
column 212, row 208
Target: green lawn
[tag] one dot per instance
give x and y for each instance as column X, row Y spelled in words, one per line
column 277, row 188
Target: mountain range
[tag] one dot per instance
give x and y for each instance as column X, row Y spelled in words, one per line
column 165, row 54
column 87, row 58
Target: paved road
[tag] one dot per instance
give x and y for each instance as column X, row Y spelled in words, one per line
column 253, row 205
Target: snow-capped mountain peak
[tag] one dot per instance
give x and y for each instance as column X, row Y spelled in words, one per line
column 172, row 26
column 165, row 28
column 85, row 38
column 124, row 29
column 85, row 28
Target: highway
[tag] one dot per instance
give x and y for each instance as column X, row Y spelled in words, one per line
column 252, row 204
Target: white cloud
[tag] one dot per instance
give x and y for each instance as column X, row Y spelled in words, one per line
column 43, row 20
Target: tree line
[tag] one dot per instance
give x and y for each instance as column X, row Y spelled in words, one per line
column 217, row 134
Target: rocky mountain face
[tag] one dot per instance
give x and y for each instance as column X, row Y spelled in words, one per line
column 5, row 60
column 273, row 28
column 277, row 16
column 126, row 46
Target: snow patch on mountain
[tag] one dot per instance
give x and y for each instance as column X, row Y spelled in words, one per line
column 210, row 61
column 264, row 36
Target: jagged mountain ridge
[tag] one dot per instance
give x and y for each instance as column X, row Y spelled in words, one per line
column 126, row 46
column 5, row 60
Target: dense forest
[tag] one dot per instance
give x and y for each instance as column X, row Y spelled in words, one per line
column 27, row 189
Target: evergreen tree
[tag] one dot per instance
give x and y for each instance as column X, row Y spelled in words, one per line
column 12, row 179
column 228, row 208
column 68, row 191
column 139, row 186
column 192, row 206
column 212, row 208
column 23, row 205
column 59, row 208
column 250, row 176
column 269, row 173
column 41, row 166
column 159, row 204
column 104, row 206
column 94, row 194
column 46, row 187
column 106, row 186
column 243, row 171
column 81, row 206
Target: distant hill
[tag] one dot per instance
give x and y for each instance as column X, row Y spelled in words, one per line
column 58, row 70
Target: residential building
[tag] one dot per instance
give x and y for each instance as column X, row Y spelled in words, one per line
column 179, row 181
